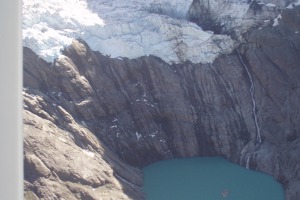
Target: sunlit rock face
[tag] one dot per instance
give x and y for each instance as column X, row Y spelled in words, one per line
column 88, row 117
column 69, row 161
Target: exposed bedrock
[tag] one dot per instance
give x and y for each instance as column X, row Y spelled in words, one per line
column 244, row 106
column 234, row 17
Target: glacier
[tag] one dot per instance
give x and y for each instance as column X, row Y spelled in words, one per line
column 129, row 29
column 120, row 29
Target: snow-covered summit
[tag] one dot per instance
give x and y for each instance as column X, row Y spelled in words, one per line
column 119, row 28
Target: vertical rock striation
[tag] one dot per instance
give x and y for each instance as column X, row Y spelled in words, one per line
column 145, row 110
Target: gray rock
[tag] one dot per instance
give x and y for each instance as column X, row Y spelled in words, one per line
column 89, row 118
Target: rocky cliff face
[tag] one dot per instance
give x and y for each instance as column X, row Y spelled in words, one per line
column 233, row 17
column 89, row 118
column 69, row 162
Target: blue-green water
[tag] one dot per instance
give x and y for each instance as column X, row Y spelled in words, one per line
column 207, row 178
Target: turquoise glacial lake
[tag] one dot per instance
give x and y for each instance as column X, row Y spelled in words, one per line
column 207, row 178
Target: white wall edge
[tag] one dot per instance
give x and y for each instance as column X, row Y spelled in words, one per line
column 11, row 139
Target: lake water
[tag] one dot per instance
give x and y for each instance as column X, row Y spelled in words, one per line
column 207, row 178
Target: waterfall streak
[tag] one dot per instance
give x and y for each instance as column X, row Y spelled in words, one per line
column 252, row 91
column 248, row 161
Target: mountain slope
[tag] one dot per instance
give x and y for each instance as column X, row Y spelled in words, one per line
column 88, row 118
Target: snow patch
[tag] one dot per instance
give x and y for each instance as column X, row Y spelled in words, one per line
column 62, row 139
column 138, row 136
column 89, row 153
column 292, row 5
column 271, row 5
column 153, row 134
column 276, row 20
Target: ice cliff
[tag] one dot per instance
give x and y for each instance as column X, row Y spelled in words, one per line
column 131, row 29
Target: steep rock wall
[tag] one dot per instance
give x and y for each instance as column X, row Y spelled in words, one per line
column 233, row 17
column 146, row 110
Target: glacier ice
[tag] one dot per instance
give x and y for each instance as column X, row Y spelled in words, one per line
column 129, row 29
column 120, row 29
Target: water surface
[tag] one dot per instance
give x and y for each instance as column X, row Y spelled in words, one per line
column 207, row 178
